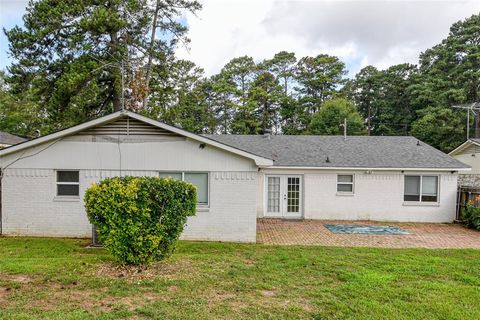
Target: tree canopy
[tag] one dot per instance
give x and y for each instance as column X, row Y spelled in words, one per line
column 69, row 58
column 330, row 119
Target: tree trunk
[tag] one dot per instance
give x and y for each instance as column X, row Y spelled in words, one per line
column 148, row 70
column 116, row 75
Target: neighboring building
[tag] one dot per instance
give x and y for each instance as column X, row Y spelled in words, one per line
column 238, row 178
column 469, row 153
column 8, row 139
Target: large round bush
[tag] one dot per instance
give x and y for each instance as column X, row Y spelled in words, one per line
column 139, row 219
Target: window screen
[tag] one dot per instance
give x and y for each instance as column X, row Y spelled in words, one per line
column 345, row 183
column 421, row 188
column 199, row 180
column 174, row 175
column 68, row 183
column 429, row 188
column 412, row 188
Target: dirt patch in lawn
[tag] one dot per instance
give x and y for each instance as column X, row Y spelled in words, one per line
column 17, row 278
column 9, row 282
column 57, row 296
column 163, row 269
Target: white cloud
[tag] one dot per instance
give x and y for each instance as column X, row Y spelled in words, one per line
column 381, row 33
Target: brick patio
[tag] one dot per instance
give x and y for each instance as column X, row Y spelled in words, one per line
column 312, row 232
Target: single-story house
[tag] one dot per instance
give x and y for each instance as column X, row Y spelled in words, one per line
column 238, row 177
column 8, row 139
column 469, row 153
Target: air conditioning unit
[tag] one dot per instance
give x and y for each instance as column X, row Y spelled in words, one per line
column 95, row 240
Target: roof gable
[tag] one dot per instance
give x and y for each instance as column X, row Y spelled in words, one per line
column 116, row 124
column 126, row 126
column 464, row 147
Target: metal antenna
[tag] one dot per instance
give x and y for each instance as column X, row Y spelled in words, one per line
column 470, row 107
column 344, row 125
column 123, row 87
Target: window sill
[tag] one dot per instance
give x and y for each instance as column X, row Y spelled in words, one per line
column 66, row 199
column 343, row 194
column 204, row 208
column 421, row 204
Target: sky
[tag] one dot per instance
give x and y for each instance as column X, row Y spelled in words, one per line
column 377, row 32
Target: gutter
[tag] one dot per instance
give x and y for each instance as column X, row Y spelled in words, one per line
column 366, row 168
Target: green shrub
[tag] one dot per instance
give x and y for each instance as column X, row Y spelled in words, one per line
column 139, row 220
column 471, row 217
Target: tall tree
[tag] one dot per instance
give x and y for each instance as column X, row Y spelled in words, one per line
column 265, row 96
column 72, row 53
column 221, row 98
column 232, row 85
column 240, row 72
column 318, row 80
column 441, row 127
column 282, row 65
column 164, row 19
column 364, row 90
column 175, row 88
column 19, row 114
column 452, row 68
column 330, row 118
column 395, row 110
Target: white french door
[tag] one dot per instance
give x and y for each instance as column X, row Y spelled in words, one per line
column 283, row 196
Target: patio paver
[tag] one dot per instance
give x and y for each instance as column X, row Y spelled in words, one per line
column 313, row 232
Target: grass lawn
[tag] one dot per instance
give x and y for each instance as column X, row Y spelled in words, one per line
column 61, row 279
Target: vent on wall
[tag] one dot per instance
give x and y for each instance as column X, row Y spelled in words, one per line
column 127, row 127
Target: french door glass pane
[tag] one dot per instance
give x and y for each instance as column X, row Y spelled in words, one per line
column 293, row 194
column 273, row 194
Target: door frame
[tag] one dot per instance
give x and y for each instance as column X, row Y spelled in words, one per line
column 283, row 210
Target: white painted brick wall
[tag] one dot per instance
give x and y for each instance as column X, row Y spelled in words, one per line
column 30, row 207
column 377, row 196
column 231, row 216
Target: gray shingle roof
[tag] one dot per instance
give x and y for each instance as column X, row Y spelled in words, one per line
column 354, row 152
column 10, row 139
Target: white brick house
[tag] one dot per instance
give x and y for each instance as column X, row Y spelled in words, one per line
column 469, row 153
column 238, row 178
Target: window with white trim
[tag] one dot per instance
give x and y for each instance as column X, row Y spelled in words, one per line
column 68, row 183
column 198, row 179
column 345, row 183
column 421, row 188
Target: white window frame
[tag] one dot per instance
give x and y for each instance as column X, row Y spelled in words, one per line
column 420, row 191
column 349, row 183
column 57, row 183
column 199, row 204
